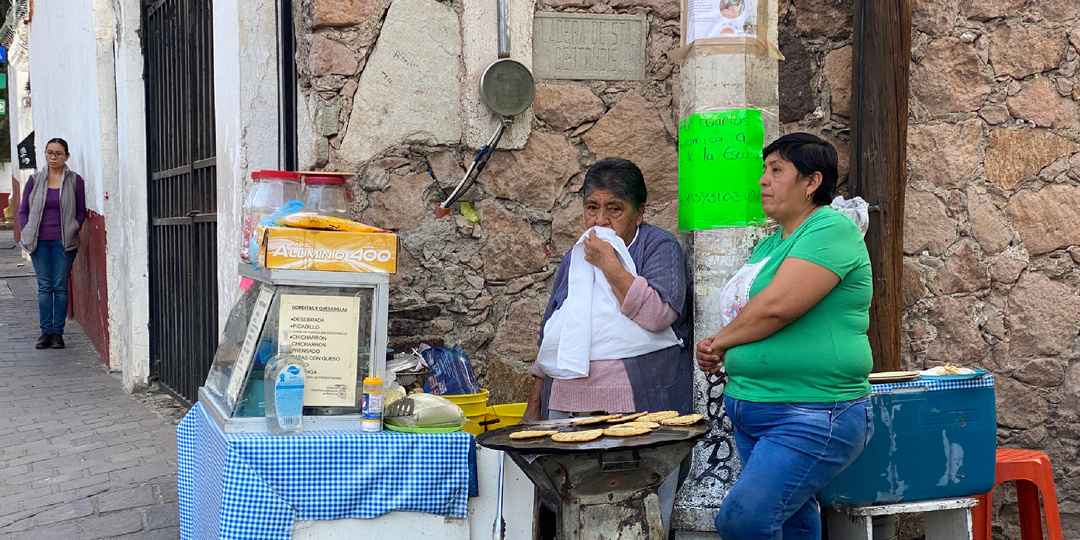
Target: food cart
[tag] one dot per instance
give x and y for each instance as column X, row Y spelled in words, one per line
column 235, row 480
column 609, row 484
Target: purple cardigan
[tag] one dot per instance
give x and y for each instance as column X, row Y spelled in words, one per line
column 661, row 380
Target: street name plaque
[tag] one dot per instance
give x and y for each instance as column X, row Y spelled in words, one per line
column 585, row 46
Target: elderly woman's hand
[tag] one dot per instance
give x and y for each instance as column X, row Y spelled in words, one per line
column 602, row 255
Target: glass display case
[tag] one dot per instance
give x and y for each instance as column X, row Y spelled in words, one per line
column 336, row 323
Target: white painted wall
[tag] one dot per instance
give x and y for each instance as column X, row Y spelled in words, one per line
column 66, row 83
column 21, row 120
column 5, row 176
column 479, row 34
column 246, row 89
column 20, row 125
column 86, row 85
column 126, row 221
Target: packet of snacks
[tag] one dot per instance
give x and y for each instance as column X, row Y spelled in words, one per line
column 312, row 220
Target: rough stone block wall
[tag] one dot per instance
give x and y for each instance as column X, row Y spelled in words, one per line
column 380, row 94
column 992, row 215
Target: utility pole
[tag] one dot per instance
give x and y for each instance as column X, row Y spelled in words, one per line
column 881, row 47
column 718, row 75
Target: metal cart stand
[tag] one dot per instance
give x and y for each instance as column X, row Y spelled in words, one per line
column 609, row 484
column 337, row 323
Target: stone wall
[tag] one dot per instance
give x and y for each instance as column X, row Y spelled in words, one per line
column 992, row 262
column 386, row 88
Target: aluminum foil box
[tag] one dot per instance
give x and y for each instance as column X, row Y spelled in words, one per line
column 932, row 439
column 336, row 251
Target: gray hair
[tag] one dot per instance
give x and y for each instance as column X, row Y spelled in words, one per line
column 619, row 176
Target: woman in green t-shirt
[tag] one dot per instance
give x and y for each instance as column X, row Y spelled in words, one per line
column 794, row 349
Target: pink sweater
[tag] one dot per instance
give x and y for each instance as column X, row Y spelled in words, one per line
column 607, row 388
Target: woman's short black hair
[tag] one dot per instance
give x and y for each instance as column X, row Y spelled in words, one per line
column 619, row 176
column 59, row 141
column 810, row 154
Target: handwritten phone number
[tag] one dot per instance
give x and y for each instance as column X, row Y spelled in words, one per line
column 712, row 197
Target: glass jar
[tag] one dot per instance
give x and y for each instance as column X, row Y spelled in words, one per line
column 326, row 196
column 275, row 188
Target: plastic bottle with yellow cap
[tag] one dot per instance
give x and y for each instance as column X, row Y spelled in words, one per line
column 371, row 412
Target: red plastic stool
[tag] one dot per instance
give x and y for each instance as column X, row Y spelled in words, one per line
column 1031, row 471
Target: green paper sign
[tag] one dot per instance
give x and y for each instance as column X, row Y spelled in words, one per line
column 719, row 167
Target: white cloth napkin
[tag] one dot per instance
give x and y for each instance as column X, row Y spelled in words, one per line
column 590, row 324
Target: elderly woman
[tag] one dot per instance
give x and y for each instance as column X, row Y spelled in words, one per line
column 653, row 300
column 794, row 349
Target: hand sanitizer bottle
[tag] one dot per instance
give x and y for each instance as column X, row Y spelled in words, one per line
column 284, row 387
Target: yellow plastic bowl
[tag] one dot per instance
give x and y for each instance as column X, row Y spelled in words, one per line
column 472, row 404
column 505, row 415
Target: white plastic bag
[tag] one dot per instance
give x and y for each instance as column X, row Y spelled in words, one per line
column 736, row 293
column 590, row 324
column 857, row 209
column 424, row 411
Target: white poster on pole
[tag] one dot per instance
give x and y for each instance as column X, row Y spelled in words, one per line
column 721, row 19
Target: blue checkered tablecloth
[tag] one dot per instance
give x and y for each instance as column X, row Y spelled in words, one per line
column 984, row 380
column 234, row 486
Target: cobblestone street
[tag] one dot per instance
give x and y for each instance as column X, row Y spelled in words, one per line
column 81, row 458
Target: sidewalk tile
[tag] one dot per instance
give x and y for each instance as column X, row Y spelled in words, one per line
column 81, row 458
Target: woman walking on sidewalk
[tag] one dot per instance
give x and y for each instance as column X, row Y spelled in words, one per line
column 52, row 212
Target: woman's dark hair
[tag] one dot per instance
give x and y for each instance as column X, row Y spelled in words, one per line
column 810, row 154
column 59, row 141
column 619, row 176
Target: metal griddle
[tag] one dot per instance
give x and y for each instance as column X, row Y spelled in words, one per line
column 499, row 439
column 605, row 485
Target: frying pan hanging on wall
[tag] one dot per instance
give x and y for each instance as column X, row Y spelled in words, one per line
column 508, row 89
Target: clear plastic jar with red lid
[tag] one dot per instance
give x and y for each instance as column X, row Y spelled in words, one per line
column 269, row 190
column 326, row 195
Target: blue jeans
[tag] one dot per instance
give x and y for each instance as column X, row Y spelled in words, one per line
column 52, row 265
column 789, row 451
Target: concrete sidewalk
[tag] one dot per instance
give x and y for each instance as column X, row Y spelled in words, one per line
column 80, row 458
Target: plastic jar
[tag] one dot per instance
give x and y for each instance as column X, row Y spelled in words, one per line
column 326, row 196
column 247, row 228
column 275, row 189
column 371, row 411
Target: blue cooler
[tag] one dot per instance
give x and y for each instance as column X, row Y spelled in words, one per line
column 933, row 438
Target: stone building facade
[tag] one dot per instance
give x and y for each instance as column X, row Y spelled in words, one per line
column 481, row 282
column 991, row 242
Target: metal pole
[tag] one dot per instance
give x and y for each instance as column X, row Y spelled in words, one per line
column 504, row 29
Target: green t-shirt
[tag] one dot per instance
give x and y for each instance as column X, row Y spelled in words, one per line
column 824, row 355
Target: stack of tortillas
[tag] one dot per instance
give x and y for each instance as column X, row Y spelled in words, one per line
column 619, row 425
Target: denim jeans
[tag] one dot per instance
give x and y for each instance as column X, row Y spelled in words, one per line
column 789, row 451
column 52, row 265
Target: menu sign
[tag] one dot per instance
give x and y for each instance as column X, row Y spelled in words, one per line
column 247, row 349
column 324, row 333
